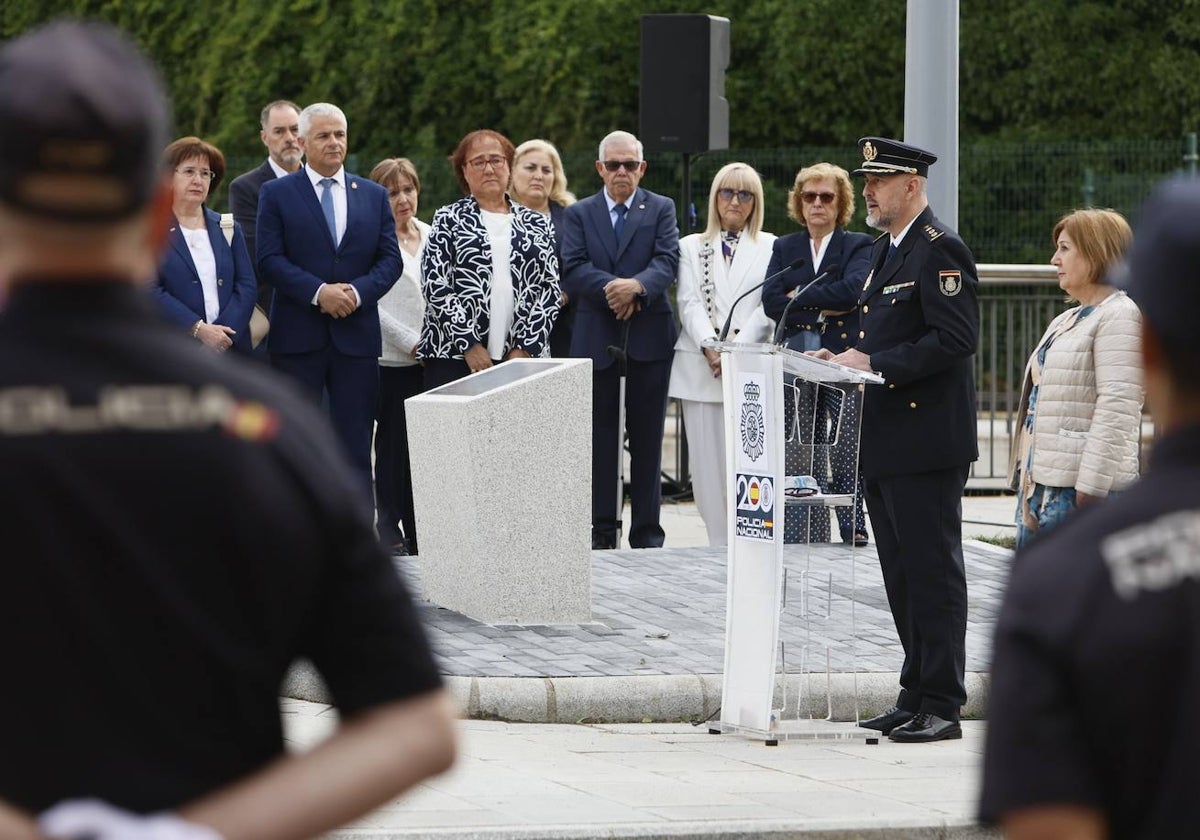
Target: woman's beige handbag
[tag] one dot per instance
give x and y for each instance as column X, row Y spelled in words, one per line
column 260, row 324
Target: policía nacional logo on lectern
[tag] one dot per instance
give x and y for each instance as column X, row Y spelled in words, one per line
column 754, row 427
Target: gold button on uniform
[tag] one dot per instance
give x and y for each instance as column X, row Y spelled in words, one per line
column 912, row 405
column 841, row 324
column 892, row 385
column 862, row 334
column 866, row 309
column 843, row 335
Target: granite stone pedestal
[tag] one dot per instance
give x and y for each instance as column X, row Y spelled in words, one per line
column 501, row 464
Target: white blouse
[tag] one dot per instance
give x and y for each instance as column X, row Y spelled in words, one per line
column 200, row 247
column 503, row 302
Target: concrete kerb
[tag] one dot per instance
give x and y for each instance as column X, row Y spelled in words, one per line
column 653, row 698
column 950, row 829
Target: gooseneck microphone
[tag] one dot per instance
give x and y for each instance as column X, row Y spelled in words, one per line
column 796, row 263
column 782, row 326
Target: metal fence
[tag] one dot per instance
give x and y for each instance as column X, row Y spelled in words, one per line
column 1010, row 194
column 1016, row 303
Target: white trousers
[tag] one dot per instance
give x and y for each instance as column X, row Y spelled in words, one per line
column 705, row 425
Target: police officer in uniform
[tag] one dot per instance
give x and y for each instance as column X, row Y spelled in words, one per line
column 178, row 526
column 919, row 326
column 1096, row 678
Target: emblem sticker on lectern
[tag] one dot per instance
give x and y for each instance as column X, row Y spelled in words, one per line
column 754, row 518
column 752, row 424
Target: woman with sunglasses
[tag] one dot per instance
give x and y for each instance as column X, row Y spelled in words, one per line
column 205, row 281
column 825, row 315
column 715, row 267
column 489, row 271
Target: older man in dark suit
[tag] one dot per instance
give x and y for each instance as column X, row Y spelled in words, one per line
column 327, row 244
column 620, row 250
column 280, row 121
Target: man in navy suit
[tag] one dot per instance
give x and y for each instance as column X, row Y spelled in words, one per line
column 620, row 249
column 327, row 244
column 280, row 121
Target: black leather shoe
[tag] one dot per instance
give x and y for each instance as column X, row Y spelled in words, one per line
column 888, row 721
column 926, row 727
column 603, row 542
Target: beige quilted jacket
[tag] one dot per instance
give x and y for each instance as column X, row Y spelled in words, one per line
column 1089, row 408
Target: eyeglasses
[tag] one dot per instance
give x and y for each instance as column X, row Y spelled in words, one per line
column 191, row 172
column 481, row 163
column 630, row 165
column 809, row 197
column 726, row 194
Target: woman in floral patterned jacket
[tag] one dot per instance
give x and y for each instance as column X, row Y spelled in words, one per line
column 489, row 272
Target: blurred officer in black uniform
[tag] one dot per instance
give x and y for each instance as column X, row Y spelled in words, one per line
column 1096, row 678
column 178, row 527
column 919, row 326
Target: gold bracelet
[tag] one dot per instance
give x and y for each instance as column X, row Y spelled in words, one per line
column 196, row 328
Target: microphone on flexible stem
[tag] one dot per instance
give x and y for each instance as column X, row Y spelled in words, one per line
column 779, row 330
column 796, row 263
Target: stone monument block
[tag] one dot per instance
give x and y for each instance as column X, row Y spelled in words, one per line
column 501, row 464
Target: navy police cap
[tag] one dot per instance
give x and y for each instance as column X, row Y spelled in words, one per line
column 83, row 121
column 884, row 156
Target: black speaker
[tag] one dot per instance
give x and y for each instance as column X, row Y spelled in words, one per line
column 681, row 105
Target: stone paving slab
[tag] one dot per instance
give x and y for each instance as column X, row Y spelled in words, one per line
column 562, row 782
column 662, row 612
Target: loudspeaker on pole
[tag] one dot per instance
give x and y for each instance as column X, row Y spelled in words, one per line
column 681, row 104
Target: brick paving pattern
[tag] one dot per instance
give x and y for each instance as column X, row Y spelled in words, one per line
column 662, row 612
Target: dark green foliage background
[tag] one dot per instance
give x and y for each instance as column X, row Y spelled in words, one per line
column 1042, row 83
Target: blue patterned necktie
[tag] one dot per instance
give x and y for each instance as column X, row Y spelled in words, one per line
column 327, row 207
column 620, row 210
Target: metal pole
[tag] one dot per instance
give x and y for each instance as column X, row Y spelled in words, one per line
column 1089, row 187
column 683, row 478
column 931, row 97
column 1190, row 158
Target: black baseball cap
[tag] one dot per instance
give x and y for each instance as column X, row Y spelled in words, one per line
column 884, row 156
column 1160, row 272
column 83, row 122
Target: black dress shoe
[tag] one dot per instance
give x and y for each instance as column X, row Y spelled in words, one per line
column 926, row 727
column 889, row 720
column 603, row 542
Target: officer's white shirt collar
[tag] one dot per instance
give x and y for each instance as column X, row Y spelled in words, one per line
column 896, row 240
column 277, row 169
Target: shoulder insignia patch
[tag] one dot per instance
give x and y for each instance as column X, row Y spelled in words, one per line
column 950, row 282
column 932, row 233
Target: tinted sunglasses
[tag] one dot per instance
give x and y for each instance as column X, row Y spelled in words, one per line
column 809, row 197
column 726, row 194
column 630, row 165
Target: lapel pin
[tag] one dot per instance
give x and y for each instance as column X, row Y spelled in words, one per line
column 641, row 206
column 354, row 185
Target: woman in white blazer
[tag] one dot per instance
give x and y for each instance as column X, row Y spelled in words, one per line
column 1081, row 401
column 715, row 267
column 401, row 312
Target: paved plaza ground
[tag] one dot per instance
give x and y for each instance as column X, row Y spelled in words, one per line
column 654, row 652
